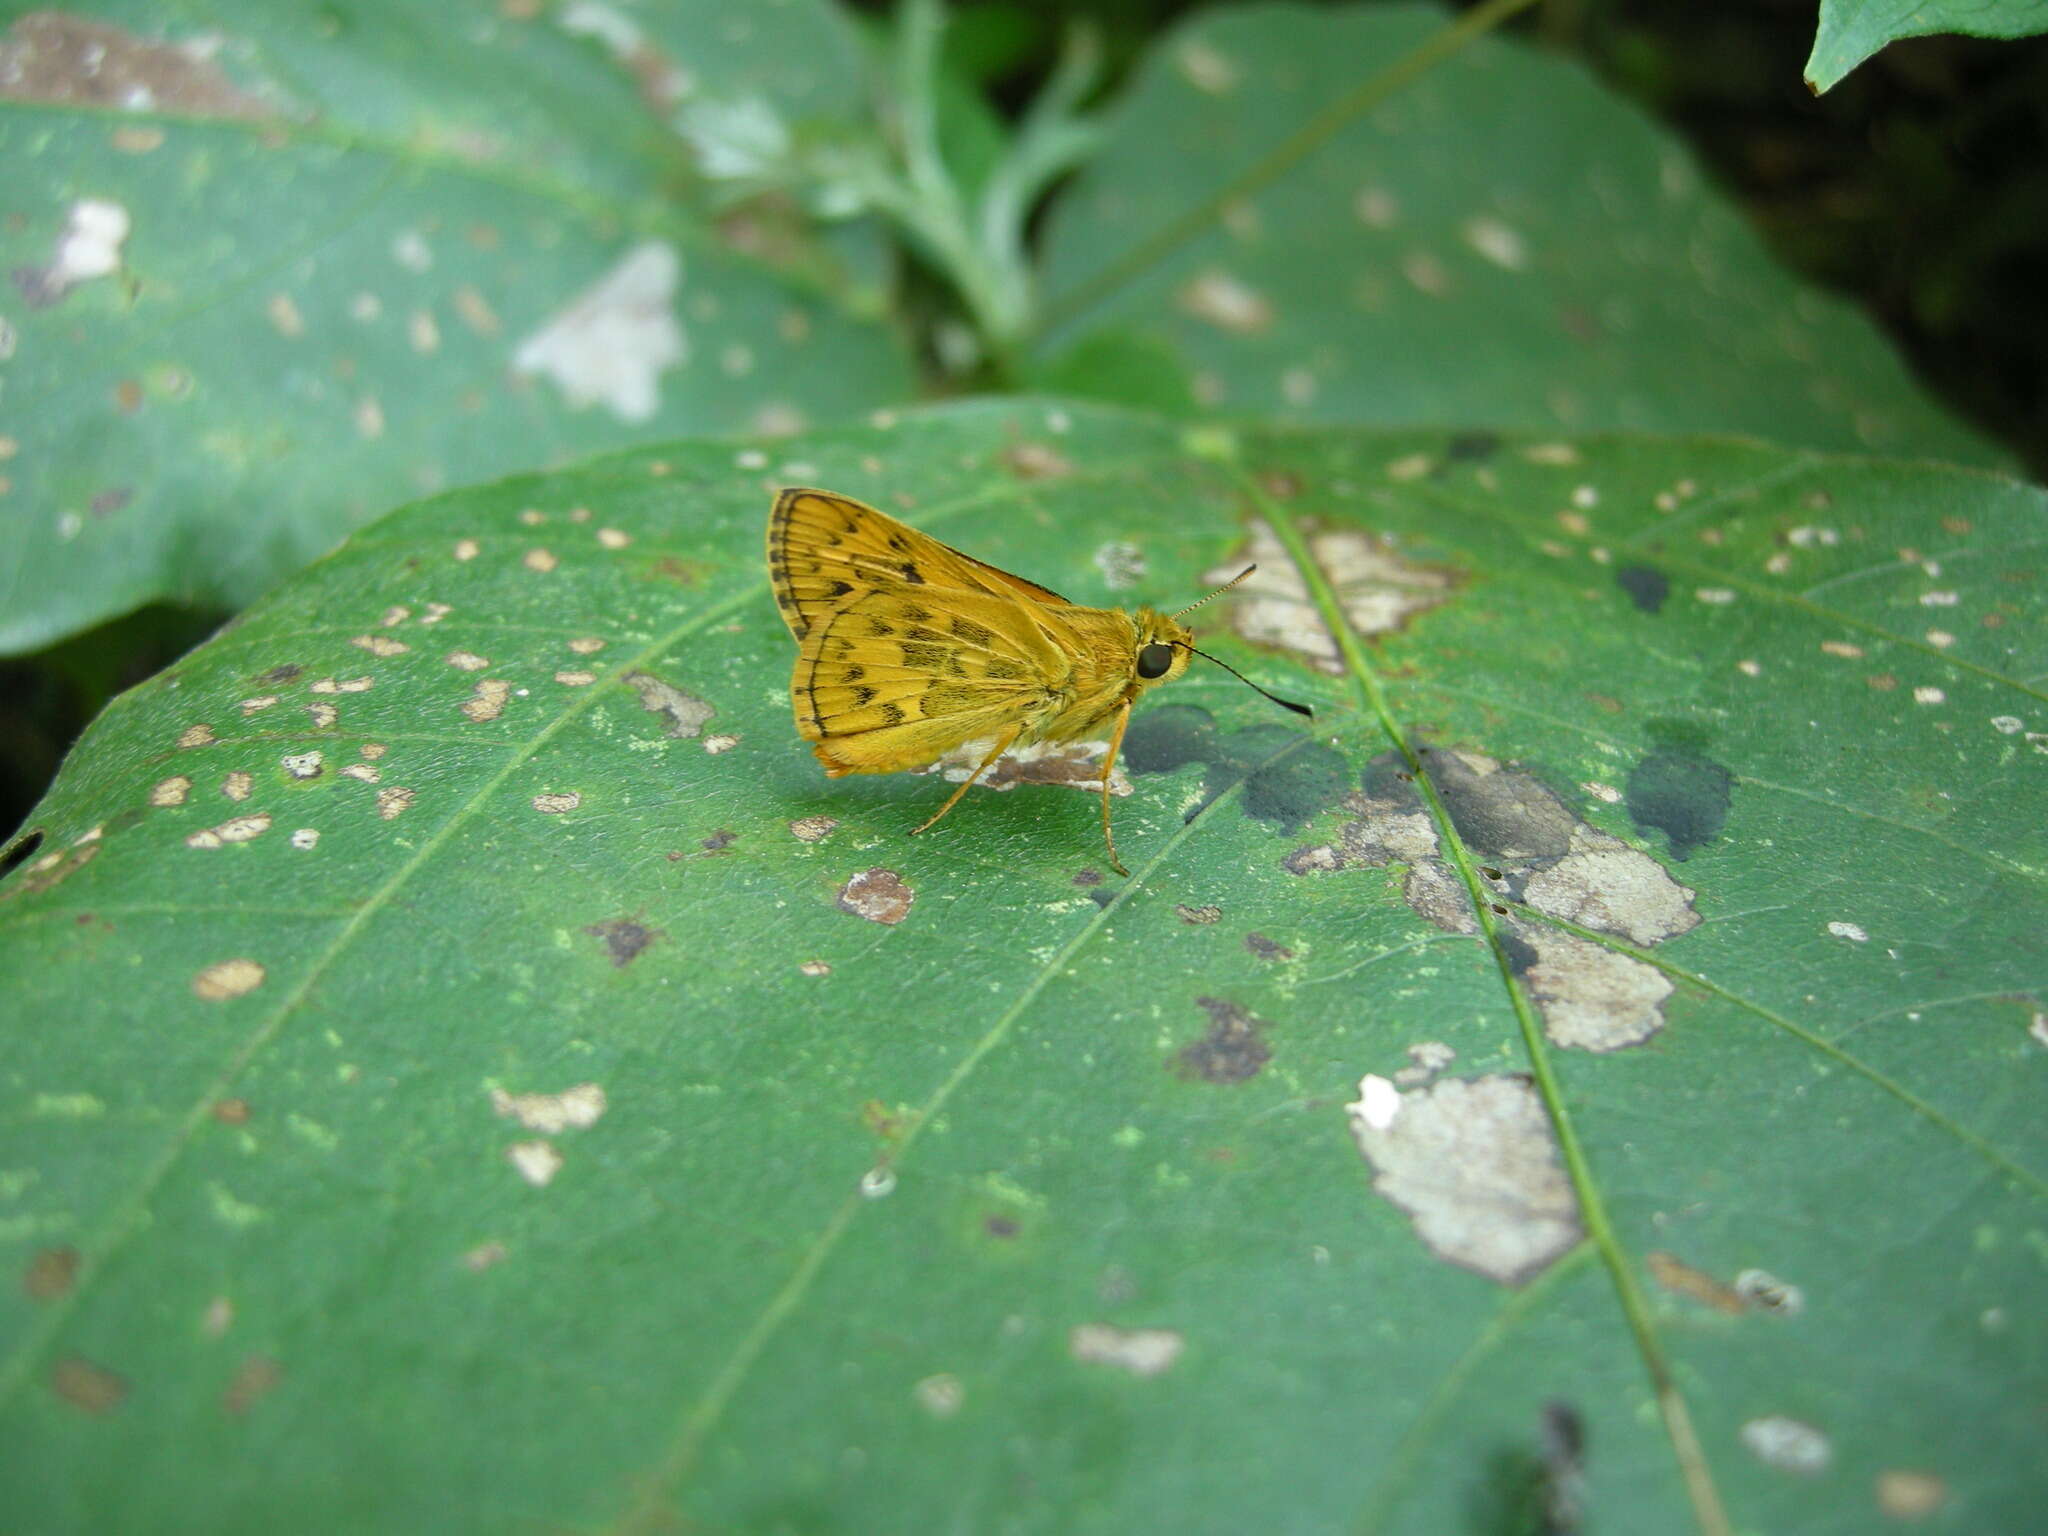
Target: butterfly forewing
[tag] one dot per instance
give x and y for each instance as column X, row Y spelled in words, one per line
column 823, row 548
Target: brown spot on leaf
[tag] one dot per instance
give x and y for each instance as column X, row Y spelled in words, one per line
column 1681, row 1279
column 720, row 840
column 1226, row 303
column 1197, row 916
column 54, row 56
column 231, row 1111
column 50, row 1274
column 254, row 1379
column 879, row 895
column 49, row 871
column 1233, row 1050
column 1903, row 1494
column 1265, row 949
column 1034, row 461
column 227, row 979
column 87, row 1387
column 623, row 938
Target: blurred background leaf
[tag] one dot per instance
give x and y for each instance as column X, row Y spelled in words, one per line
column 279, row 268
column 1850, row 31
column 1500, row 244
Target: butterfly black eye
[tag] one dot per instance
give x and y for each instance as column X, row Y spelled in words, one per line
column 1154, row 659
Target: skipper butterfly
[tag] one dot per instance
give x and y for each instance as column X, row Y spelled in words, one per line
column 909, row 650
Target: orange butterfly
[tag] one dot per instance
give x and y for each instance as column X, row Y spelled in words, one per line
column 910, row 650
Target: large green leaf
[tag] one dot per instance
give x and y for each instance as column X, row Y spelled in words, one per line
column 279, row 267
column 1501, row 241
column 467, row 1069
column 1850, row 31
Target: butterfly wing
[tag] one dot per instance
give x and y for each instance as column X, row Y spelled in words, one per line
column 823, row 547
column 896, row 676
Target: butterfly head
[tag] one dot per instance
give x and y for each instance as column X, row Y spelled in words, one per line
column 1163, row 648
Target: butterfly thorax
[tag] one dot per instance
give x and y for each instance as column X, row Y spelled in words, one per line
column 1104, row 648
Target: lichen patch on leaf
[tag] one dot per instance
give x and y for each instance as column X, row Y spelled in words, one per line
column 685, row 713
column 1426, row 1059
column 1379, row 588
column 1473, row 1163
column 612, row 343
column 879, row 895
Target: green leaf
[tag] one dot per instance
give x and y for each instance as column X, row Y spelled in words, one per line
column 467, row 1068
column 264, row 292
column 1850, row 31
column 1500, row 242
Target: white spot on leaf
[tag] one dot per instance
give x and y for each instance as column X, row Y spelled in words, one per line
column 573, row 1109
column 611, row 345
column 1141, row 1351
column 537, row 1161
column 1788, row 1445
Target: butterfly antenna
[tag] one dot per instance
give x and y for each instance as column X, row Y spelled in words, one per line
column 1299, row 709
column 1240, row 576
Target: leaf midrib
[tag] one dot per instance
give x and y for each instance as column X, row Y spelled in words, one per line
column 1698, row 1478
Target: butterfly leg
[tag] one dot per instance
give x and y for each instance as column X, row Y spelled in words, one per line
column 986, row 764
column 1109, row 767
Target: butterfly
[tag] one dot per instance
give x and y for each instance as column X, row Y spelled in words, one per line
column 909, row 650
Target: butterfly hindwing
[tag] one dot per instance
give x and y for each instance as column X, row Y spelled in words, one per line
column 824, row 547
column 897, row 676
